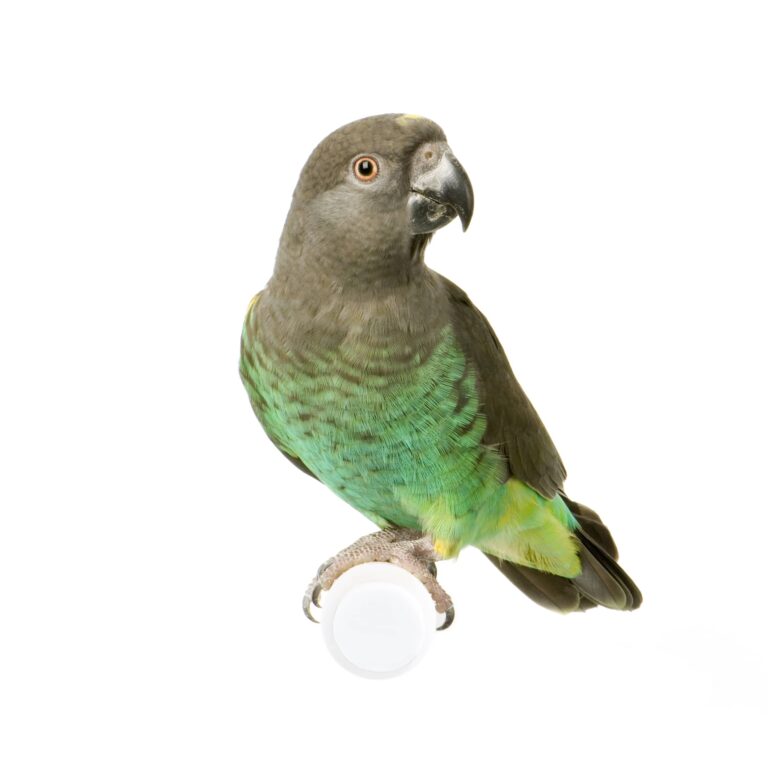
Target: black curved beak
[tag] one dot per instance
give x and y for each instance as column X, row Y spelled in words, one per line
column 440, row 191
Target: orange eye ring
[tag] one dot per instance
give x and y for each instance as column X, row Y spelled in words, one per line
column 366, row 168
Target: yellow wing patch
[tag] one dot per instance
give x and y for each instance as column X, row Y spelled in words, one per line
column 254, row 301
column 249, row 320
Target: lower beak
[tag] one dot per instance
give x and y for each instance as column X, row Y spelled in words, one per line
column 439, row 194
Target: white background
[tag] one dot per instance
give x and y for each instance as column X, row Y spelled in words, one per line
column 155, row 546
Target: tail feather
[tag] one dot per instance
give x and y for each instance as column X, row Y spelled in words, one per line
column 550, row 591
column 595, row 538
column 599, row 583
column 602, row 581
column 593, row 526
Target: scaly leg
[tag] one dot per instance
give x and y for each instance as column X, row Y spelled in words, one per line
column 410, row 549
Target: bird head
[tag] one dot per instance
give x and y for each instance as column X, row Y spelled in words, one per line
column 372, row 193
column 385, row 165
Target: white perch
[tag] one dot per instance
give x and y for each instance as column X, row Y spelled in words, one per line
column 378, row 620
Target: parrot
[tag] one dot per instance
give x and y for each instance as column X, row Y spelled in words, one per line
column 380, row 378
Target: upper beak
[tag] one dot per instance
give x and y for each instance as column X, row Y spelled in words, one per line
column 440, row 190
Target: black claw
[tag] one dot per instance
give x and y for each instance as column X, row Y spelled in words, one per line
column 450, row 614
column 432, row 566
column 311, row 597
column 306, row 604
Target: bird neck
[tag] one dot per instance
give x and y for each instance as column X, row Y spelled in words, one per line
column 348, row 262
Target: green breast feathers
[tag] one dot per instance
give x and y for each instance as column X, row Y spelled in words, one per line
column 394, row 433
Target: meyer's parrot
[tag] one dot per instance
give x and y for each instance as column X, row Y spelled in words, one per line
column 379, row 377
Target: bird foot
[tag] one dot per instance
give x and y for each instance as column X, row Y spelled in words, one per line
column 409, row 549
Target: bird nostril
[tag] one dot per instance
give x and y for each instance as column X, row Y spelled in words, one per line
column 428, row 155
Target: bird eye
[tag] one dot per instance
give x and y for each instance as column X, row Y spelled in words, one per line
column 366, row 168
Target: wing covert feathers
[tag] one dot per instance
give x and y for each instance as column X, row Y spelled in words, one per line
column 512, row 424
